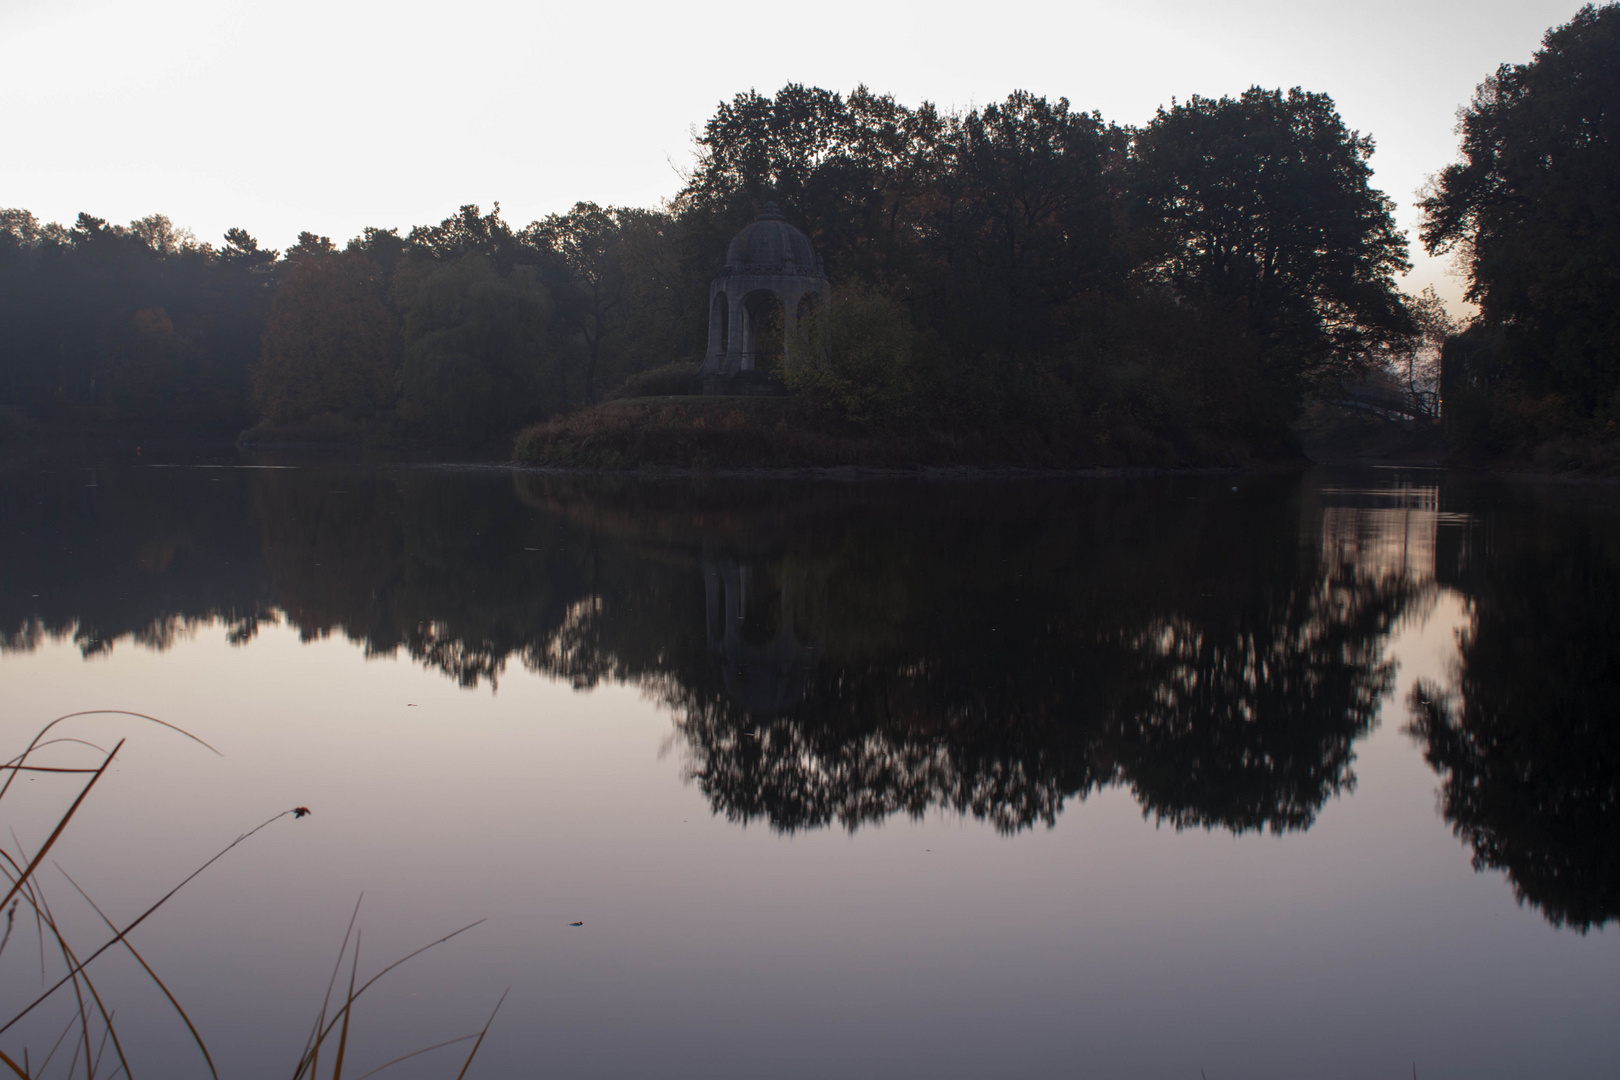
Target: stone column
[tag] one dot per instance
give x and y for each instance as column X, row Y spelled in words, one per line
column 748, row 342
column 734, row 347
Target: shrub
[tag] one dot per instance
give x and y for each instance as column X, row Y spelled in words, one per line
column 670, row 380
column 860, row 361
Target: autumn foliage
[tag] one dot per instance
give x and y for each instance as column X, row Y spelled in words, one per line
column 331, row 344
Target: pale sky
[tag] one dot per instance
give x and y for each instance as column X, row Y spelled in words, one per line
column 332, row 115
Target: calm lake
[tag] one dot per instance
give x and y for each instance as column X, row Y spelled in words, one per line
column 1265, row 776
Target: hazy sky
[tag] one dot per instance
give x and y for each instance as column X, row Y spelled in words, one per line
column 332, row 115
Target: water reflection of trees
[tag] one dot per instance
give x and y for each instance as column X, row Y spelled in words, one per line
column 86, row 556
column 998, row 653
column 1245, row 704
column 832, row 654
column 841, row 654
column 1526, row 735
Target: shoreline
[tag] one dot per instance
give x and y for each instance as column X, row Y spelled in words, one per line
column 113, row 449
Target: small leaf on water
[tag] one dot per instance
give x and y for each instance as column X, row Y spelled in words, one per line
column 576, row 924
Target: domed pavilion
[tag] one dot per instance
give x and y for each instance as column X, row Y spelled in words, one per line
column 771, row 280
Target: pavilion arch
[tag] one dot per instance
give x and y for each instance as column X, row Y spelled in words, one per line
column 765, row 338
column 720, row 319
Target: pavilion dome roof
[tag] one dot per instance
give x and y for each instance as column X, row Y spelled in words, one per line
column 772, row 246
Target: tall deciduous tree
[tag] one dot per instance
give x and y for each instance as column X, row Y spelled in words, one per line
column 1263, row 204
column 851, row 170
column 331, row 344
column 1024, row 220
column 157, row 232
column 599, row 276
column 469, row 232
column 479, row 356
column 1533, row 210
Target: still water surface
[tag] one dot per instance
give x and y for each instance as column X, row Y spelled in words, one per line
column 1265, row 776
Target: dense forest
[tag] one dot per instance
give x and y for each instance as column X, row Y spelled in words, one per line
column 1024, row 281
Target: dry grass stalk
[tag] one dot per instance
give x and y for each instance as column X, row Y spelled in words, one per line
column 89, row 1018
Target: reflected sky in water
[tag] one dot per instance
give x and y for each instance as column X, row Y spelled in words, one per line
column 1268, row 776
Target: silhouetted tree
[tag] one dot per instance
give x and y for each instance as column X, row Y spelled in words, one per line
column 1025, row 223
column 850, row 170
column 470, row 233
column 601, row 253
column 1533, row 214
column 157, row 232
column 1263, row 206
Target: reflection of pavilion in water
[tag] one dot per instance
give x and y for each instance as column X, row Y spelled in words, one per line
column 765, row 666
column 1392, row 533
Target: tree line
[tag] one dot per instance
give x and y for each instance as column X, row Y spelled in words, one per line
column 456, row 328
column 1022, row 262
column 1022, row 265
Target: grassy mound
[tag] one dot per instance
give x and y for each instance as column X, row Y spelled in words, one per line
column 787, row 432
column 698, row 432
